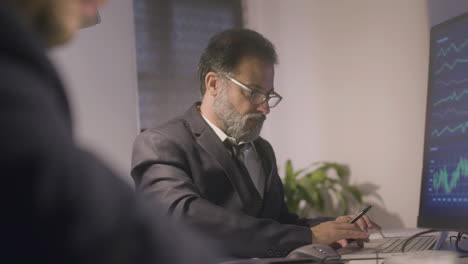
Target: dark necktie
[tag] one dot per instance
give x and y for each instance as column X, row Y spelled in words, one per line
column 247, row 157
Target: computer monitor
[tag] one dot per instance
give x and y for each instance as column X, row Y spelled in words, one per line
column 444, row 187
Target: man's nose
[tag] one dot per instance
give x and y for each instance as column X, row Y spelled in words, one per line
column 264, row 108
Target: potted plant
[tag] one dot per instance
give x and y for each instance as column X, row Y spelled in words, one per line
column 320, row 189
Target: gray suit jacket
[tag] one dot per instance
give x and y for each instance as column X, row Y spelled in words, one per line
column 185, row 167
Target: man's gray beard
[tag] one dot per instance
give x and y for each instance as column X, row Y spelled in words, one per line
column 236, row 124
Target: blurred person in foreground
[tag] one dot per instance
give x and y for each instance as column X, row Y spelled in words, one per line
column 59, row 203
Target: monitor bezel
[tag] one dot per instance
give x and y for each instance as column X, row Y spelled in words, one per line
column 444, row 223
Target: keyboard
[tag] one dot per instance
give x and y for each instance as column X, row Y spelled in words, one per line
column 393, row 245
column 387, row 247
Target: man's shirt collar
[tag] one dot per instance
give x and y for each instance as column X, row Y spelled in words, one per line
column 217, row 130
column 221, row 133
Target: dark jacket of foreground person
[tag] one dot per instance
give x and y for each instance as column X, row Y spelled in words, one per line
column 59, row 204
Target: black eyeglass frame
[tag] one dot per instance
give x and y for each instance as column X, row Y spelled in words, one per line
column 265, row 96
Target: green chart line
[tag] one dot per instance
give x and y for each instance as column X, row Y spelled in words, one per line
column 444, row 52
column 447, row 180
column 451, row 66
column 462, row 127
column 453, row 97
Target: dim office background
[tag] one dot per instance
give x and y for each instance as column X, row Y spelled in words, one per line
column 353, row 75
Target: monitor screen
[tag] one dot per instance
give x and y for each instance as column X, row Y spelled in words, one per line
column 444, row 187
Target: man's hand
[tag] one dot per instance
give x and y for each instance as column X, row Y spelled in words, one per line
column 335, row 231
column 364, row 223
column 338, row 231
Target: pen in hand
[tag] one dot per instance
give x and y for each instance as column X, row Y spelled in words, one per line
column 357, row 217
column 363, row 212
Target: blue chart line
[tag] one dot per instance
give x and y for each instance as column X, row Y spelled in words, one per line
column 444, row 52
column 451, row 112
column 451, row 66
column 462, row 127
column 451, row 82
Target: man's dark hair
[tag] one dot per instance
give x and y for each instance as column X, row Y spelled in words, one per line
column 225, row 50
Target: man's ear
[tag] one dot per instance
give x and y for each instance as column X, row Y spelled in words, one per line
column 212, row 83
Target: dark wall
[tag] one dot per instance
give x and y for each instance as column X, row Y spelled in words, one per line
column 170, row 37
column 441, row 10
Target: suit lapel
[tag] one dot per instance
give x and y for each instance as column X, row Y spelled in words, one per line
column 212, row 144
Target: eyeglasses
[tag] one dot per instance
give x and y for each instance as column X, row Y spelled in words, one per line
column 257, row 97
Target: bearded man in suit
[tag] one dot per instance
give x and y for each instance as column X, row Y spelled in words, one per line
column 210, row 168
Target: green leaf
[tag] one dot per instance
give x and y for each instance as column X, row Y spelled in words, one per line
column 316, row 177
column 289, row 194
column 320, row 201
column 342, row 171
column 289, row 172
column 298, row 172
column 344, row 202
column 318, row 188
column 333, row 181
column 312, row 196
column 292, row 202
column 305, row 194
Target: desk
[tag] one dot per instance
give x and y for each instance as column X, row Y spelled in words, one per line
column 445, row 247
column 382, row 261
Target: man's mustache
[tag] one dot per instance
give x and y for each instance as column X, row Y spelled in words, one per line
column 257, row 116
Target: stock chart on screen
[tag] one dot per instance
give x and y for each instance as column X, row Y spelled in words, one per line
column 446, row 147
